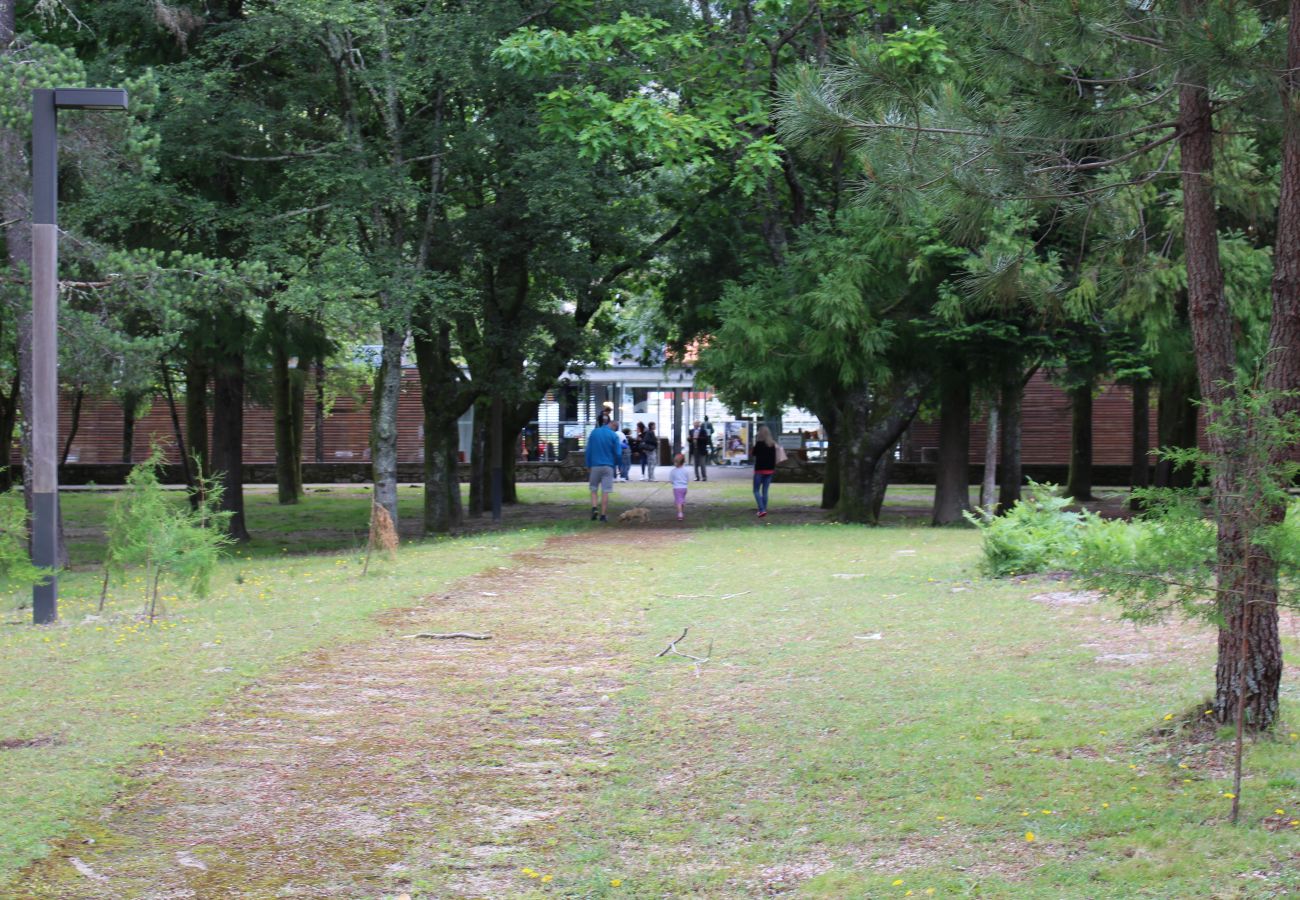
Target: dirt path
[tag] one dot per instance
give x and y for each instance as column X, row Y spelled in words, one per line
column 366, row 763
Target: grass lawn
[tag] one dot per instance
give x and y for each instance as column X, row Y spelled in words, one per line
column 874, row 720
column 96, row 694
column 976, row 747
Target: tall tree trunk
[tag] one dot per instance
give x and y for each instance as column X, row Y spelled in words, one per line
column 130, row 406
column 1251, row 639
column 181, row 451
column 880, row 481
column 197, row 375
column 319, row 435
column 287, row 450
column 1079, row 483
column 8, row 422
column 73, row 426
column 383, row 426
column 298, row 417
column 830, row 420
column 1012, row 396
column 480, row 492
column 870, row 427
column 952, row 470
column 1176, row 414
column 228, row 438
column 1140, row 471
column 989, row 484
column 443, row 402
column 1245, row 573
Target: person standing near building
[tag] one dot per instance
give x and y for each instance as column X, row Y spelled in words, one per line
column 701, row 447
column 713, row 448
column 603, row 457
column 680, row 481
column 625, row 442
column 766, row 455
column 638, row 447
column 650, row 446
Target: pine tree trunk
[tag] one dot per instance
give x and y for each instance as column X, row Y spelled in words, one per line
column 952, row 470
column 1140, row 471
column 73, row 426
column 1079, row 483
column 479, row 490
column 228, row 439
column 989, row 485
column 383, row 425
column 319, row 411
column 1013, row 392
column 288, row 491
column 298, row 419
column 829, row 417
column 1176, row 414
column 130, row 403
column 1255, row 629
column 443, row 403
column 1245, row 573
column 196, row 411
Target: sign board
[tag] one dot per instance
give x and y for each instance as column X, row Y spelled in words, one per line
column 791, row 441
column 573, row 430
column 735, row 446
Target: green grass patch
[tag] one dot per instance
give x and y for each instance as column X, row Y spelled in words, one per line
column 813, row 756
column 81, row 701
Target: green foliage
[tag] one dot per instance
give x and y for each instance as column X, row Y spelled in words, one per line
column 16, row 569
column 1040, row 533
column 28, row 66
column 179, row 542
column 917, row 50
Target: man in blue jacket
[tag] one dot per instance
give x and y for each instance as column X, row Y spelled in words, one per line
column 604, row 453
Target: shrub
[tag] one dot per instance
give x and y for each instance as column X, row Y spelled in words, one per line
column 1038, row 534
column 181, row 542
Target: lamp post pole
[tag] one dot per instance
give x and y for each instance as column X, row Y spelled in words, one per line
column 44, row 422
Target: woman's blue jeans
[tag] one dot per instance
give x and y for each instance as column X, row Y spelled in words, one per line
column 761, row 484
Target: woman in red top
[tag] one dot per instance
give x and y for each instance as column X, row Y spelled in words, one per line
column 764, row 467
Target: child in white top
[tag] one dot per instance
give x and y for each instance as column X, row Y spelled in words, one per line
column 680, row 478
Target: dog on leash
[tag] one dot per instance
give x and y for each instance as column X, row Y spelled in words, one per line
column 635, row 514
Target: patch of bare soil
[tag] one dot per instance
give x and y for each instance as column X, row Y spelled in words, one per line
column 365, row 764
column 44, row 740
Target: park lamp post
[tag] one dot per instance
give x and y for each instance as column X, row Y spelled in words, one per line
column 44, row 425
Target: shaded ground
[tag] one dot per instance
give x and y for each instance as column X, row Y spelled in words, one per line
column 335, row 777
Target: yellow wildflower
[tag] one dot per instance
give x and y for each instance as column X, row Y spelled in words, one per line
column 547, row 879
column 1029, row 836
column 615, row 882
column 897, row 882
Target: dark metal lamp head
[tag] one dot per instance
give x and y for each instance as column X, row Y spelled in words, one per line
column 89, row 98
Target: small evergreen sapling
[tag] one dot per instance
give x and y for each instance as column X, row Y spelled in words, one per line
column 16, row 569
column 168, row 539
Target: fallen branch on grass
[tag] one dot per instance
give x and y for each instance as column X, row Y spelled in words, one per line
column 697, row 660
column 451, row 635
